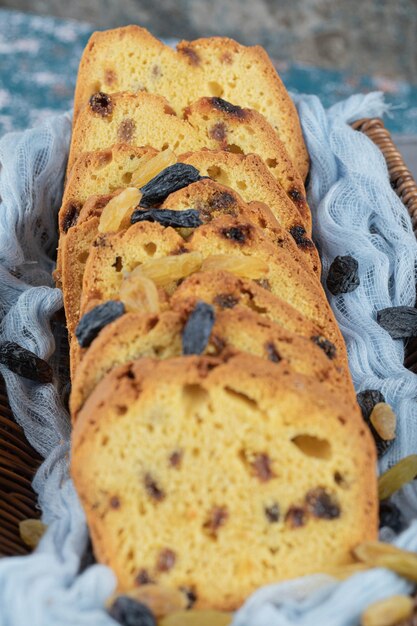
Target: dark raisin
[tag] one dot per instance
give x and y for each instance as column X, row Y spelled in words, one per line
column 115, row 502
column 272, row 353
column 92, row 322
column 143, row 578
column 126, row 130
column 399, row 321
column 166, row 560
column 129, row 612
column 191, row 55
column 153, row 489
column 222, row 200
column 298, row 233
column 88, row 559
column 227, row 107
column 272, row 513
column 171, row 179
column 297, row 196
column 321, row 504
column 237, row 233
column 218, row 132
column 390, row 515
column 343, row 275
column 175, row 458
column 118, row 264
column 197, row 329
column 367, row 400
column 327, row 346
column 72, row 212
column 191, row 596
column 177, row 219
column 101, row 104
column 382, row 445
column 226, row 300
column 295, row 516
column 216, row 518
column 25, row 363
column 262, row 467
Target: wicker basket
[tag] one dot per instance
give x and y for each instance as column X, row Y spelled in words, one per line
column 19, row 462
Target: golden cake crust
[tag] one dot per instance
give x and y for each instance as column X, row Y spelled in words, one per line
column 208, row 197
column 223, row 236
column 146, row 119
column 273, row 490
column 105, row 171
column 214, row 66
column 236, row 329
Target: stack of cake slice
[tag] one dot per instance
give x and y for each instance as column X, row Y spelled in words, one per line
column 217, row 442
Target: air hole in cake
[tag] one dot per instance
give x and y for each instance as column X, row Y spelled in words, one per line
column 215, row 89
column 241, row 397
column 103, row 160
column 271, row 162
column 219, row 175
column 121, row 409
column 241, row 184
column 130, row 555
column 118, row 264
column 169, row 110
column 127, row 177
column 313, row 446
column 151, row 323
column 340, row 480
column 194, row 396
column 104, row 440
column 83, row 256
column 233, row 147
column 150, row 248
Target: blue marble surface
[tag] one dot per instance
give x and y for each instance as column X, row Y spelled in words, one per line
column 39, row 58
